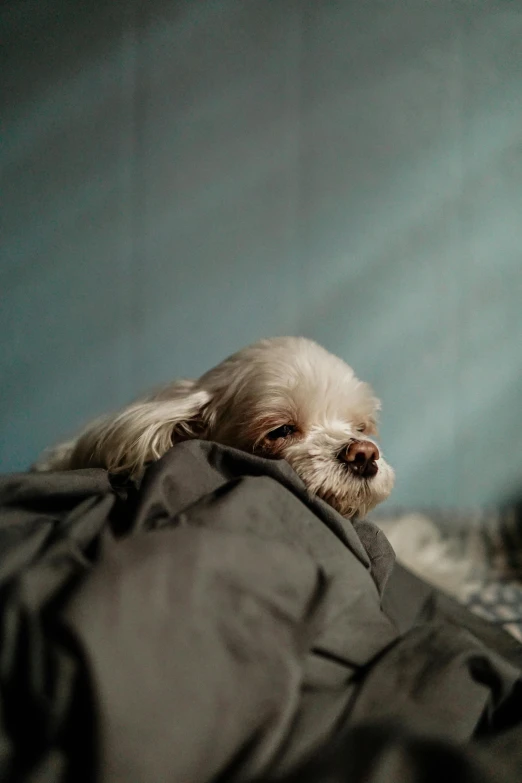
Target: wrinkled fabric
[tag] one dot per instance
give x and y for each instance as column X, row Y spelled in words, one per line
column 217, row 622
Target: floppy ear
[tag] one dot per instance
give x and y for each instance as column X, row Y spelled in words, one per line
column 140, row 433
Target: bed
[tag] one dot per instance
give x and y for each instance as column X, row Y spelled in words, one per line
column 474, row 556
column 218, row 623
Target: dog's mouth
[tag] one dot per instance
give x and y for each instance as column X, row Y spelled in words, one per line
column 363, row 469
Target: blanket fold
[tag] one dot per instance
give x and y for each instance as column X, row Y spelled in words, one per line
column 217, row 622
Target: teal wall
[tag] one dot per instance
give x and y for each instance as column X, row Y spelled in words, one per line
column 181, row 178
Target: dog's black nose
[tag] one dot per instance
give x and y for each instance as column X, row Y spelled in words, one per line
column 361, row 457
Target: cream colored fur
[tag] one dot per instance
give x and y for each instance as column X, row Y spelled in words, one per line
column 281, row 381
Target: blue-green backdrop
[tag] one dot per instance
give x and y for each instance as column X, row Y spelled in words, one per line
column 182, row 178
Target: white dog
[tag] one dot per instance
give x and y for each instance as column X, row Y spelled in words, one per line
column 282, row 398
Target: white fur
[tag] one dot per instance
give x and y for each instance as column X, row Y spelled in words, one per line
column 420, row 547
column 284, row 380
column 457, row 564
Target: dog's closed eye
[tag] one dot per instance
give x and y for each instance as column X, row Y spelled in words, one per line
column 284, row 431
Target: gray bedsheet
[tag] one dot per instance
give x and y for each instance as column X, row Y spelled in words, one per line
column 218, row 623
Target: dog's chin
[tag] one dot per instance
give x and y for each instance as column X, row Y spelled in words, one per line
column 357, row 502
column 352, row 496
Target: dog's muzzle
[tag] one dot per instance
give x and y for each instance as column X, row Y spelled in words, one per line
column 360, row 456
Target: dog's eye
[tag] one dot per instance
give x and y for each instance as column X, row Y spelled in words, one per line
column 281, row 432
column 361, row 428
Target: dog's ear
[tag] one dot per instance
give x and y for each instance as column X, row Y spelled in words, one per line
column 144, row 431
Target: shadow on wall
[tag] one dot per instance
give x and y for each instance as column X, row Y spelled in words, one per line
column 183, row 178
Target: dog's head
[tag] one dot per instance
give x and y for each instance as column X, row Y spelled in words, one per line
column 281, row 398
column 289, row 398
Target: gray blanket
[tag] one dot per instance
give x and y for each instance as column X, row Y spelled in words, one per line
column 219, row 623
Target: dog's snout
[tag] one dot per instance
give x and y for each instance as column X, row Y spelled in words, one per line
column 361, row 457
